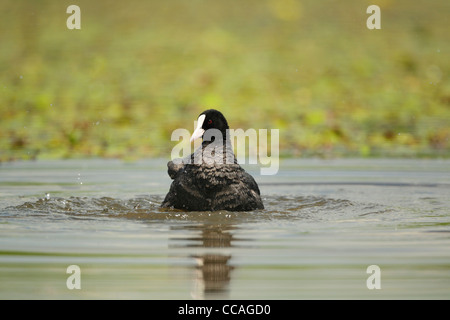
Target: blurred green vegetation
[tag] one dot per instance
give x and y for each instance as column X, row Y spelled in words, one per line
column 137, row 70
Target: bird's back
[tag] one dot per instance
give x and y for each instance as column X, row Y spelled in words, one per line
column 202, row 187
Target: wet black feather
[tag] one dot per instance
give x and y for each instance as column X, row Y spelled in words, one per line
column 212, row 183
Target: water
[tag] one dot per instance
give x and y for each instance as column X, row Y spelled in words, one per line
column 325, row 223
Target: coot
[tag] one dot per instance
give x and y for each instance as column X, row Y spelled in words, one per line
column 211, row 179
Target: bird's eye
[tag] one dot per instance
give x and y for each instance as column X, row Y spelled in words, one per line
column 209, row 121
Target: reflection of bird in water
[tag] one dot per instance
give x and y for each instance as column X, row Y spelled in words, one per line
column 212, row 276
column 212, row 271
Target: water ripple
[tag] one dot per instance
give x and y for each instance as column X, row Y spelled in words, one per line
column 148, row 208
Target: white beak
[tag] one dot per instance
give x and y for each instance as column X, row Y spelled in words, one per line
column 198, row 132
